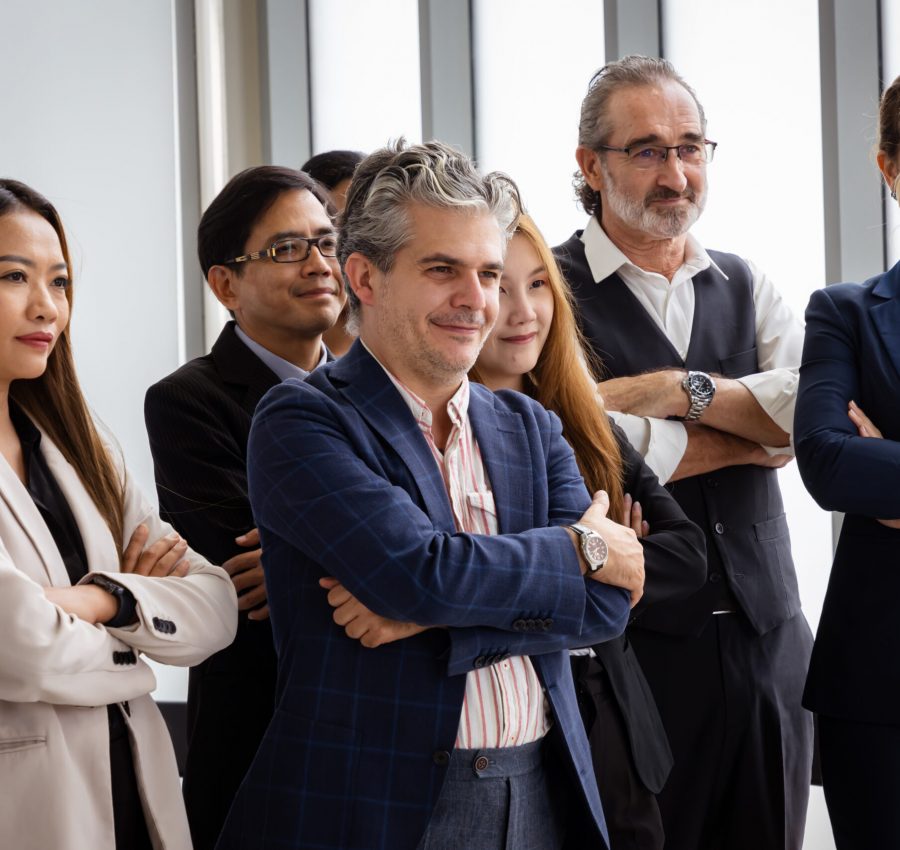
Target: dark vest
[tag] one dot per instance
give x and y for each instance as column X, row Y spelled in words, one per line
column 749, row 562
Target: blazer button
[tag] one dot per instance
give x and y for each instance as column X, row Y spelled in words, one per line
column 479, row 662
column 481, row 763
column 530, row 625
column 518, row 625
column 547, row 624
column 441, row 758
column 715, row 577
column 720, row 528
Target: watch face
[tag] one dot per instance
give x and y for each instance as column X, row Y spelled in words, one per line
column 595, row 550
column 701, row 385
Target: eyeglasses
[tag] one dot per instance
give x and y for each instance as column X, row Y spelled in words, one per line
column 653, row 156
column 293, row 250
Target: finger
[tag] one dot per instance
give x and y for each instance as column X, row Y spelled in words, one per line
column 248, row 579
column 626, row 509
column 243, row 562
column 636, row 596
column 259, row 613
column 645, row 528
column 328, row 582
column 149, row 557
column 356, row 627
column 251, row 538
column 637, row 516
column 252, row 598
column 347, row 612
column 134, row 548
column 338, row 596
column 167, row 562
column 181, row 569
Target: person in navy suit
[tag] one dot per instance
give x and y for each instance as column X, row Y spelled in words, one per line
column 425, row 508
column 849, row 389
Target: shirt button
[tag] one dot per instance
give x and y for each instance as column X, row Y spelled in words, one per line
column 481, row 763
column 720, row 528
column 441, row 758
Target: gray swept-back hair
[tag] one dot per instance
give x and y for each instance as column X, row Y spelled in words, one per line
column 595, row 128
column 375, row 222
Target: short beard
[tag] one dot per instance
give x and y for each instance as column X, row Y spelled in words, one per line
column 638, row 214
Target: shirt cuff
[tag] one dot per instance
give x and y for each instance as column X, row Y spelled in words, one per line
column 662, row 442
column 776, row 393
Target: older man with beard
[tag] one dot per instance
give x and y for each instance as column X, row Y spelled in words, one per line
column 701, row 355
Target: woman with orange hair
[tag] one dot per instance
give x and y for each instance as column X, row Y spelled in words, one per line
column 535, row 348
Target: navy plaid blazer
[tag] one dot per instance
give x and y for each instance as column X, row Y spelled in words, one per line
column 342, row 483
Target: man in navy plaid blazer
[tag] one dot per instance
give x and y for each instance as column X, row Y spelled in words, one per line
column 349, row 493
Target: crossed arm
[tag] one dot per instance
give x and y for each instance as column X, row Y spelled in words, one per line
column 734, row 430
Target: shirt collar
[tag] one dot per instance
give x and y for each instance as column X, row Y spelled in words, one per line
column 457, row 407
column 605, row 258
column 284, row 369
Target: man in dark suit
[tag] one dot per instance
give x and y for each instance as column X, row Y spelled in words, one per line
column 418, row 506
column 267, row 248
column 701, row 354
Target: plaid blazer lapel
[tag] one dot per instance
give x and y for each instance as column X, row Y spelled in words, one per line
column 362, row 381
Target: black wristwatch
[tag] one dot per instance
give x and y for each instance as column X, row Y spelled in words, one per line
column 126, row 613
column 593, row 546
column 700, row 388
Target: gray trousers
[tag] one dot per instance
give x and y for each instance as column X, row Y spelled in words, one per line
column 497, row 799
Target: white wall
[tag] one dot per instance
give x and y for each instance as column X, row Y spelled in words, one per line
column 90, row 115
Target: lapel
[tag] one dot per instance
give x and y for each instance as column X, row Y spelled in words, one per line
column 52, row 570
column 240, row 368
column 886, row 314
column 504, row 446
column 363, row 382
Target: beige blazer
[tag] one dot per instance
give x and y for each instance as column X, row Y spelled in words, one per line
column 58, row 673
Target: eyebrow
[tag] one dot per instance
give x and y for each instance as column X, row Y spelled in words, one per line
column 653, row 139
column 15, row 258
column 324, row 230
column 447, row 260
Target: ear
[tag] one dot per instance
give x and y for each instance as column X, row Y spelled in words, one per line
column 888, row 168
column 360, row 273
column 220, row 280
column 589, row 163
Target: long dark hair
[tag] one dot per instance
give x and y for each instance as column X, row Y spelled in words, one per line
column 54, row 399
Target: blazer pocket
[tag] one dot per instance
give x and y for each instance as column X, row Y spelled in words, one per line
column 16, row 745
column 771, row 529
column 775, row 542
column 740, row 364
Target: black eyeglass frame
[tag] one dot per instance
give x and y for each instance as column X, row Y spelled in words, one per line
column 270, row 252
column 706, row 143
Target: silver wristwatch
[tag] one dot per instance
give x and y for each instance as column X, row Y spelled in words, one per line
column 700, row 388
column 593, row 546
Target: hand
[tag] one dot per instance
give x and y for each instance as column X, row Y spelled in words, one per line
column 247, row 576
column 625, row 565
column 863, row 424
column 657, row 394
column 867, row 428
column 88, row 602
column 360, row 623
column 162, row 558
column 633, row 517
column 763, row 458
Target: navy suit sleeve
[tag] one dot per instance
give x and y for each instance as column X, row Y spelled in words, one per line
column 606, row 608
column 317, row 482
column 841, row 470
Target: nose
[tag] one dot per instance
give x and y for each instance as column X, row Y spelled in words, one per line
column 521, row 310
column 671, row 173
column 41, row 305
column 316, row 264
column 470, row 291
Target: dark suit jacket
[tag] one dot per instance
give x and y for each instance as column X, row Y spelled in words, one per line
column 198, row 420
column 343, row 483
column 852, row 351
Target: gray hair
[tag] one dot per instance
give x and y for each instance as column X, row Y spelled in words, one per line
column 375, row 222
column 594, row 128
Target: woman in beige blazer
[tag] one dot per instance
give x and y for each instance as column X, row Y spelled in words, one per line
column 91, row 580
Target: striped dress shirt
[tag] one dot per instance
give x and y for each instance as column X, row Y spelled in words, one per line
column 504, row 705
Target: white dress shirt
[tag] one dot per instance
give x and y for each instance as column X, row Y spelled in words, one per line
column 779, row 341
column 284, row 369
